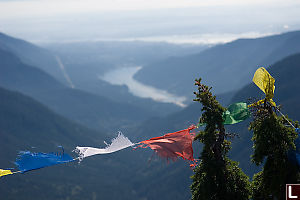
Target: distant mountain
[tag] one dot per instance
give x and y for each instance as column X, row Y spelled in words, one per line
column 79, row 65
column 92, row 110
column 16, row 74
column 85, row 62
column 225, row 67
column 109, row 54
column 33, row 55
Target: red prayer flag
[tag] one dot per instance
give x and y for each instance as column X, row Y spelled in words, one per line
column 173, row 145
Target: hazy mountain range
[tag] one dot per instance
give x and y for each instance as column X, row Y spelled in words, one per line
column 43, row 121
column 225, row 67
column 86, row 62
column 92, row 110
column 33, row 55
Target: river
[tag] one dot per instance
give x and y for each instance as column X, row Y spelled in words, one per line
column 124, row 76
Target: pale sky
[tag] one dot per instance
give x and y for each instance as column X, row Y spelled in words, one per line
column 17, row 8
column 57, row 20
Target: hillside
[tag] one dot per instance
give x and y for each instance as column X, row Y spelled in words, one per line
column 25, row 123
column 33, row 55
column 232, row 63
column 91, row 110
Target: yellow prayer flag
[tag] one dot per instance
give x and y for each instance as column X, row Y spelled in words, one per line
column 265, row 82
column 5, row 172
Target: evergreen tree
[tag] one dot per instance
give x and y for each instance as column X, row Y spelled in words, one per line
column 216, row 177
column 273, row 137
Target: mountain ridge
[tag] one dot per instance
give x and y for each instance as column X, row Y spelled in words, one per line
column 84, row 74
column 89, row 109
column 33, row 55
column 231, row 62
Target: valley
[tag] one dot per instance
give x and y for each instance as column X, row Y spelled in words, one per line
column 41, row 110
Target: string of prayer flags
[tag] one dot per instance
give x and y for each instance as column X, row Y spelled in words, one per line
column 236, row 113
column 170, row 146
column 265, row 82
column 173, row 145
column 5, row 172
column 118, row 143
column 27, row 161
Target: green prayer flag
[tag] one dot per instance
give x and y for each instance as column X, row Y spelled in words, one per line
column 235, row 113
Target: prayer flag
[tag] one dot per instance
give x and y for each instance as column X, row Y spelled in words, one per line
column 5, row 172
column 265, row 82
column 173, row 145
column 27, row 161
column 236, row 113
column 118, row 143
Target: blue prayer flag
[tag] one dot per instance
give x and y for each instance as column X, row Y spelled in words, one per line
column 27, row 160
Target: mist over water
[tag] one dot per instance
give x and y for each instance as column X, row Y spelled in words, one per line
column 124, row 76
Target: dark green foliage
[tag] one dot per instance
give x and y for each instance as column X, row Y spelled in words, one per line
column 216, row 177
column 258, row 189
column 213, row 181
column 273, row 137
